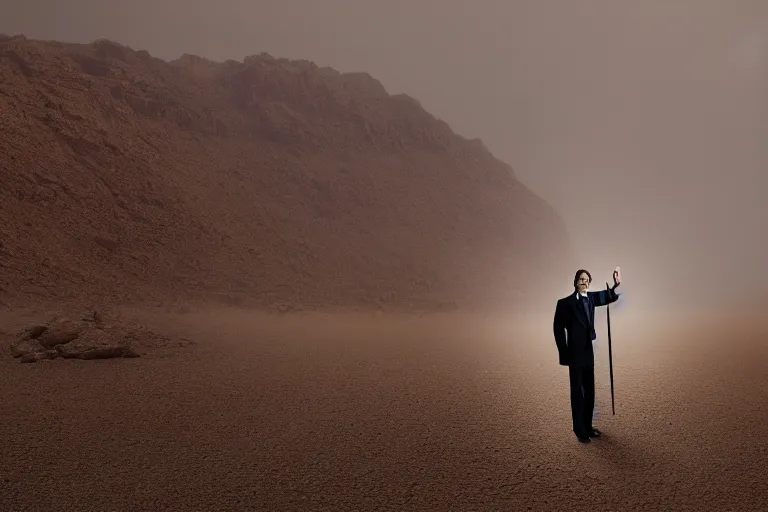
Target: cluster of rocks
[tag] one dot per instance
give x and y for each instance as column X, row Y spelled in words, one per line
column 87, row 338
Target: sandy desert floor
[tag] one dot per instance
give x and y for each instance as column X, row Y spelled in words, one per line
column 340, row 412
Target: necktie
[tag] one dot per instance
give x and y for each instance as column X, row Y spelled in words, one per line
column 585, row 303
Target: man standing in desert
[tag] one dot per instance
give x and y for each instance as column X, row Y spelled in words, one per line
column 574, row 327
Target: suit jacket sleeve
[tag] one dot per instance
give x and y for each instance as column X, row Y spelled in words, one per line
column 558, row 326
column 604, row 297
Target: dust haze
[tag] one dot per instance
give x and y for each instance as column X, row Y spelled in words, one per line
column 642, row 123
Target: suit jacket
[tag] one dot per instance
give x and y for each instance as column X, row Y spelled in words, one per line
column 574, row 333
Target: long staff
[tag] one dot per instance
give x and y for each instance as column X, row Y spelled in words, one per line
column 610, row 352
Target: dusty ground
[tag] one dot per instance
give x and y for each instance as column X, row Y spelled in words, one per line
column 319, row 412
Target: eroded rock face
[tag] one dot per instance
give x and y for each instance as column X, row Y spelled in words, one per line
column 26, row 346
column 99, row 343
column 33, row 357
column 299, row 185
column 87, row 338
column 60, row 331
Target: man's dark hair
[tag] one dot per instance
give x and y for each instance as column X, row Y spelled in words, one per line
column 576, row 277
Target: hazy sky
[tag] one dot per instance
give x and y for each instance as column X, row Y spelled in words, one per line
column 643, row 122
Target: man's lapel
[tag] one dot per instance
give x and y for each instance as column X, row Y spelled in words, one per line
column 580, row 313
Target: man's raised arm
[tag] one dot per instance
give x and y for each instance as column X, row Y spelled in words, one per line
column 609, row 295
column 605, row 297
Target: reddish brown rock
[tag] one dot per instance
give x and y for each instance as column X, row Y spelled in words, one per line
column 33, row 357
column 60, row 331
column 24, row 346
column 33, row 332
column 263, row 182
column 98, row 343
column 89, row 338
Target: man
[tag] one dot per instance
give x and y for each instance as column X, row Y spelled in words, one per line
column 574, row 327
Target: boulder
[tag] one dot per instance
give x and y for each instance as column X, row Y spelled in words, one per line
column 98, row 343
column 87, row 338
column 60, row 331
column 33, row 357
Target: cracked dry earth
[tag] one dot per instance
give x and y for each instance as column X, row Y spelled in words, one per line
column 344, row 412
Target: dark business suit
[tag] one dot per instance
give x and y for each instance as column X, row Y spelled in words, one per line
column 574, row 328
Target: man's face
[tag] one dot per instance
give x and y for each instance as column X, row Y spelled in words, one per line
column 583, row 282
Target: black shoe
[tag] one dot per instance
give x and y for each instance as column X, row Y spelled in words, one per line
column 595, row 433
column 584, row 439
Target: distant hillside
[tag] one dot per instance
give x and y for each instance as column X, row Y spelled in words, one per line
column 272, row 182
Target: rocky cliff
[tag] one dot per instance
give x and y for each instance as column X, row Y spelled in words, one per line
column 129, row 178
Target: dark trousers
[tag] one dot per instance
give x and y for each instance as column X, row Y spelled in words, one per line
column 582, row 397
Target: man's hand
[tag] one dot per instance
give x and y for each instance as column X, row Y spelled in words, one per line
column 616, row 277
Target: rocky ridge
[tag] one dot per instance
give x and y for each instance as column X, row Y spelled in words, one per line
column 267, row 182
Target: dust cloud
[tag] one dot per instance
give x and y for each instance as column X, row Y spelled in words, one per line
column 642, row 123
